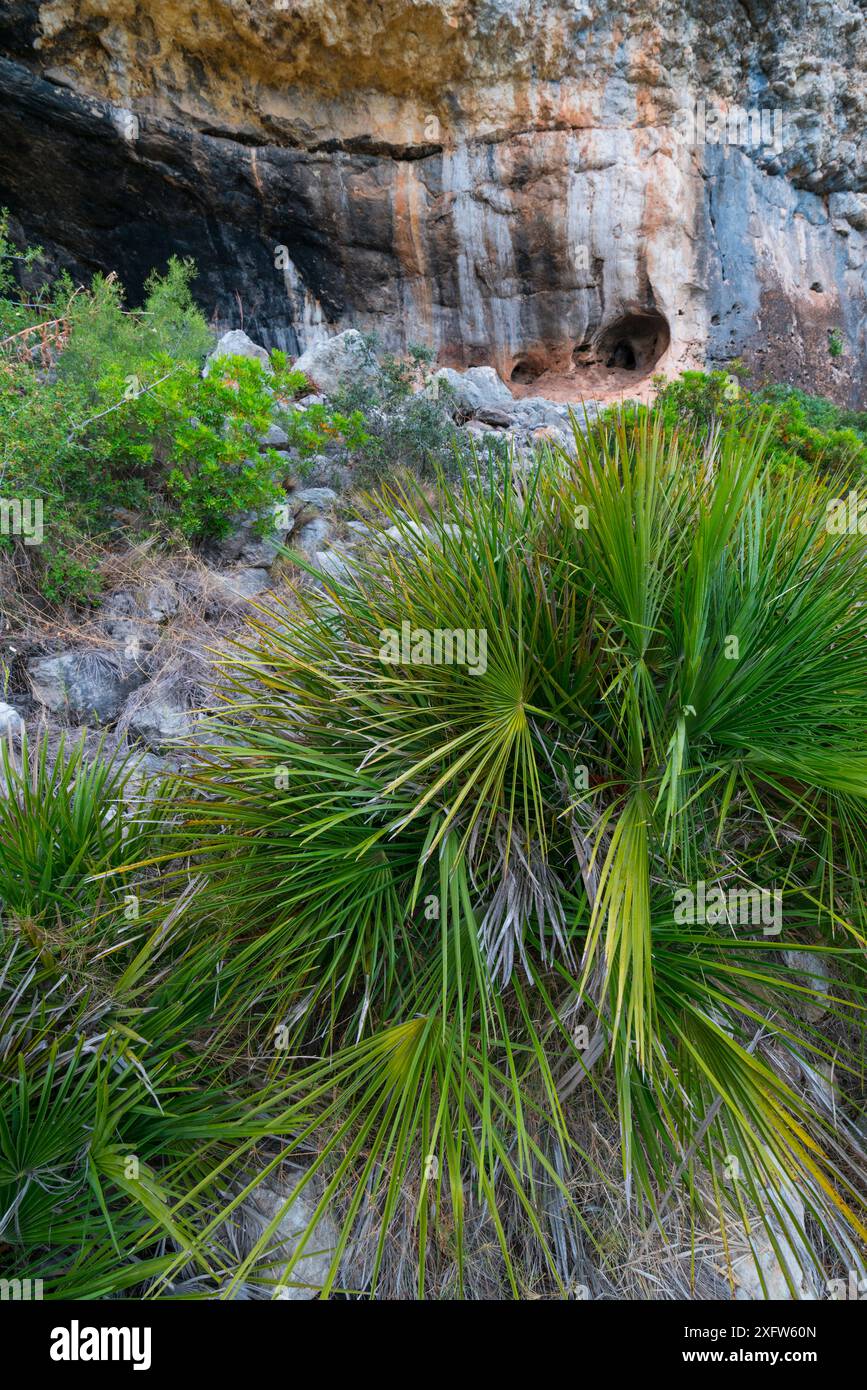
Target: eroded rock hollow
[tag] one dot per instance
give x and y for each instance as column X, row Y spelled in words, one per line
column 557, row 188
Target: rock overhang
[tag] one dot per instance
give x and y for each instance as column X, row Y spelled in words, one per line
column 500, row 182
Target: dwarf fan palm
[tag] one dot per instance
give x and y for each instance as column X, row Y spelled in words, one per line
column 456, row 894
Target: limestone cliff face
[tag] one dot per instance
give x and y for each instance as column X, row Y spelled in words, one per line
column 536, row 184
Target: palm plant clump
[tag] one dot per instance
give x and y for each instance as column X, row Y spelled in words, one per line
column 117, row 1128
column 441, row 923
column 452, row 896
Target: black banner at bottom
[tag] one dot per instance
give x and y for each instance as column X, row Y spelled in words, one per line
column 60, row 1340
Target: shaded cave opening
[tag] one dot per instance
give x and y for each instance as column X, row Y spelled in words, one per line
column 613, row 358
column 525, row 371
column 634, row 342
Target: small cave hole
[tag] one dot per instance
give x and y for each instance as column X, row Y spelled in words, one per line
column 635, row 342
column 523, row 372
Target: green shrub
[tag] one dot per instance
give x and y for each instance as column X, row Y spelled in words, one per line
column 319, row 425
column 104, row 337
column 812, row 430
column 193, row 440
column 805, row 430
column 64, row 378
column 39, row 459
column 104, row 408
column 399, row 429
column 16, row 308
column 698, row 399
column 815, row 411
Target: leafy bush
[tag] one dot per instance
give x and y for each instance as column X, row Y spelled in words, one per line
column 454, row 889
column 403, row 430
column 698, row 399
column 16, row 308
column 815, row 411
column 805, row 430
column 104, row 408
column 66, row 368
column 813, row 430
column 318, row 425
column 104, row 335
column 193, row 440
